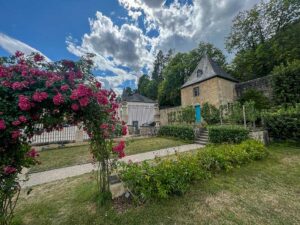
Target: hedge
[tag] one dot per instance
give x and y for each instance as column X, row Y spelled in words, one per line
column 227, row 134
column 181, row 132
column 167, row 177
column 283, row 124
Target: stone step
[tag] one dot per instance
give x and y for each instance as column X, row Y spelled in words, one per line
column 201, row 142
column 202, row 139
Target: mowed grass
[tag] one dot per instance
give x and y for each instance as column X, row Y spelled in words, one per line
column 262, row 192
column 68, row 156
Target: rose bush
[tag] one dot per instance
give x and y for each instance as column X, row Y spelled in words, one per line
column 35, row 92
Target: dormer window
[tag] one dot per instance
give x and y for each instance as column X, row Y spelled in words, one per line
column 199, row 73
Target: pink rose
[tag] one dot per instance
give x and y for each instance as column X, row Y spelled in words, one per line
column 39, row 96
column 64, row 87
column 24, row 103
column 75, row 107
column 9, row 170
column 16, row 123
column 22, row 119
column 32, row 153
column 58, row 99
column 84, row 101
column 2, row 124
column 15, row 134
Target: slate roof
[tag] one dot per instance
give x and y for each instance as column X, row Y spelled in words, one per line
column 137, row 98
column 210, row 70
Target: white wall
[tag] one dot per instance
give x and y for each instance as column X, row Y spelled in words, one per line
column 141, row 112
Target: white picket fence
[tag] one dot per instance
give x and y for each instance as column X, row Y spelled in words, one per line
column 67, row 134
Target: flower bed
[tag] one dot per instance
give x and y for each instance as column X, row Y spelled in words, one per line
column 167, row 177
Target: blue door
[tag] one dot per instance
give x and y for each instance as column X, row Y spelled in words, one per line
column 198, row 113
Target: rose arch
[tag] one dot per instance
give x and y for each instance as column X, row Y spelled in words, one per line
column 35, row 92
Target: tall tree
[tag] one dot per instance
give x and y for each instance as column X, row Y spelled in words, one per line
column 263, row 37
column 255, row 26
column 158, row 66
column 143, row 84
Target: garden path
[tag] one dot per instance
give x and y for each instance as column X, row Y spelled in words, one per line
column 62, row 173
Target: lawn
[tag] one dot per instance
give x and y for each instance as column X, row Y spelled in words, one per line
column 62, row 157
column 262, row 192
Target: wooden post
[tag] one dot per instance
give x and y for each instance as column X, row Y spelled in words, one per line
column 244, row 115
column 220, row 110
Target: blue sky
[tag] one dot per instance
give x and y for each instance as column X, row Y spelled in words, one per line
column 125, row 35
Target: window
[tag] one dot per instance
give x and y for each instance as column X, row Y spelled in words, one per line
column 199, row 73
column 196, row 91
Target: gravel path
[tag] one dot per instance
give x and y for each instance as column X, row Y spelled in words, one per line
column 62, row 173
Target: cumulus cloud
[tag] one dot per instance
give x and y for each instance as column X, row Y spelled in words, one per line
column 115, row 47
column 180, row 25
column 12, row 45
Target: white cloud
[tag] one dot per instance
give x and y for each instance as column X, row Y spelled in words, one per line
column 180, row 26
column 114, row 47
column 12, row 45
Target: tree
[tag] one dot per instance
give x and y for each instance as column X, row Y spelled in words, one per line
column 286, row 84
column 127, row 91
column 143, row 84
column 258, row 52
column 259, row 99
column 158, row 66
column 33, row 92
column 255, row 26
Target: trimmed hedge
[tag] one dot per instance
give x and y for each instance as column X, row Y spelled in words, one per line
column 182, row 132
column 227, row 134
column 283, row 124
column 167, row 177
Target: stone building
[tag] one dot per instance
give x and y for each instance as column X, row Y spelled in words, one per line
column 208, row 83
column 137, row 110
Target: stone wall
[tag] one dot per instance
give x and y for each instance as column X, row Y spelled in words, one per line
column 163, row 114
column 263, row 84
column 216, row 91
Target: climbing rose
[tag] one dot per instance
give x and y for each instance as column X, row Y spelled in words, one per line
column 75, row 107
column 22, row 119
column 64, row 87
column 19, row 85
column 58, row 99
column 32, row 153
column 2, row 125
column 19, row 54
column 37, row 57
column 124, row 130
column 16, row 123
column 15, row 134
column 24, row 103
column 9, row 170
column 104, row 126
column 84, row 101
column 39, row 96
column 120, row 149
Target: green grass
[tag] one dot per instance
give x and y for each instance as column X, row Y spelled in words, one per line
column 262, row 192
column 62, row 157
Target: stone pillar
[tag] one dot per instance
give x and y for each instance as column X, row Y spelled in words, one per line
column 156, row 116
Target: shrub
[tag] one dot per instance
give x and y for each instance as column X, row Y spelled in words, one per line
column 225, row 157
column 210, row 113
column 182, row 132
column 168, row 177
column 227, row 134
column 164, row 178
column 284, row 123
column 259, row 99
